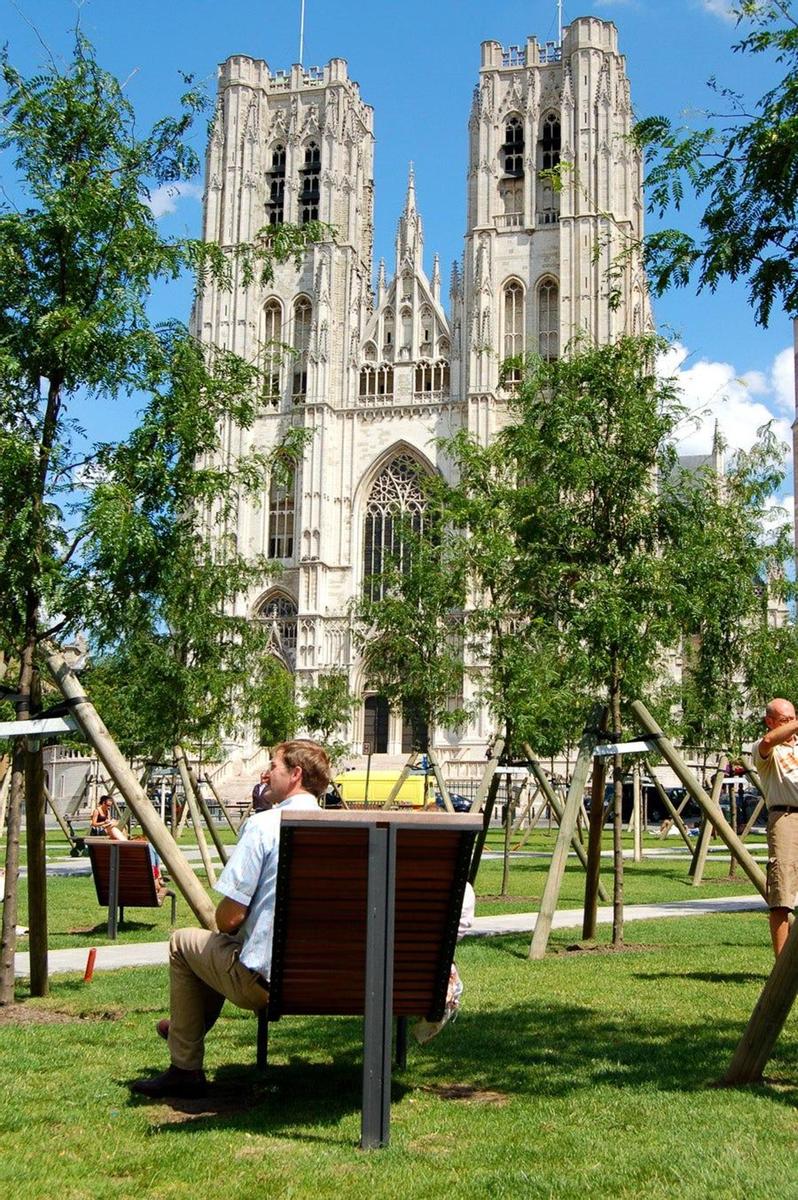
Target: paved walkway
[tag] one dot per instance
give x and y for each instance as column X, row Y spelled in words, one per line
column 149, row 954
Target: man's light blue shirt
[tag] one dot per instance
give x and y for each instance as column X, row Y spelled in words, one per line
column 250, row 878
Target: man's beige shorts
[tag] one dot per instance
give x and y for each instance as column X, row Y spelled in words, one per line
column 782, row 859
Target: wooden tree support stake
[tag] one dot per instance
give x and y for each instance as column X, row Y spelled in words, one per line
column 556, row 806
column 699, row 862
column 713, row 811
column 137, row 800
column 196, row 820
column 221, row 804
column 442, row 788
column 767, row 1020
column 675, row 813
column 412, row 759
column 213, row 828
column 565, row 835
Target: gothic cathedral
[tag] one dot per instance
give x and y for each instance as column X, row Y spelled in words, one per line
column 377, row 376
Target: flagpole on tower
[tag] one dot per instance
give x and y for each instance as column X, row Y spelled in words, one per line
column 301, row 31
column 559, row 21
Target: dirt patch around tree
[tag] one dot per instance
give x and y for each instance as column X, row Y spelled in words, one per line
column 27, row 1014
column 467, row 1093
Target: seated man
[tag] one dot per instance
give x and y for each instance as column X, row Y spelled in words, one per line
column 206, row 968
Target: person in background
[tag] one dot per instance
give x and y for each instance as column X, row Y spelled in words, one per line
column 261, row 794
column 776, row 760
column 101, row 820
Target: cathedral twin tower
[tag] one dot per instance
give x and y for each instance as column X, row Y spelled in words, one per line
column 554, row 193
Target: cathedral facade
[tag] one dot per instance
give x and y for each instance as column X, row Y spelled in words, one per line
column 377, row 372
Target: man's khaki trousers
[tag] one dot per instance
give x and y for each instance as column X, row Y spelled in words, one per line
column 204, row 971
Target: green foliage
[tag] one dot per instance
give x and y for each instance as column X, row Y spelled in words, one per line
column 273, row 701
column 519, row 669
column 411, row 632
column 725, row 566
column 744, row 171
column 590, row 438
column 115, row 538
column 326, row 706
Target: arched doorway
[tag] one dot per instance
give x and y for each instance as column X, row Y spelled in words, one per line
column 376, row 716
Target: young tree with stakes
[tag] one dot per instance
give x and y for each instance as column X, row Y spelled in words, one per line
column 80, row 253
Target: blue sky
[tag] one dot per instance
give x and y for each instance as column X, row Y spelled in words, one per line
column 417, row 64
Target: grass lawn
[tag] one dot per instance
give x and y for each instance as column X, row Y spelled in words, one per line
column 76, row 920
column 585, row 1075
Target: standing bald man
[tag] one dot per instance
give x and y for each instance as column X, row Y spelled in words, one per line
column 776, row 759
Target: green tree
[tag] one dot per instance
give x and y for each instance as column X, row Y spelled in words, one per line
column 275, row 704
column 409, row 627
column 517, row 666
column 79, row 255
column 325, row 707
column 726, row 565
column 589, row 443
column 182, row 664
column 743, row 168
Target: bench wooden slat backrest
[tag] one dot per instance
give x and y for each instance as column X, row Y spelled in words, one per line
column 318, row 962
column 136, row 882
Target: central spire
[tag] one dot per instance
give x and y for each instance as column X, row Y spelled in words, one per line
column 410, row 232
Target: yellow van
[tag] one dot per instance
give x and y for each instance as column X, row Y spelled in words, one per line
column 416, row 792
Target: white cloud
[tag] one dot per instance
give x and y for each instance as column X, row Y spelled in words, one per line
column 727, row 9
column 780, row 510
column 782, row 381
column 164, row 199
column 739, row 402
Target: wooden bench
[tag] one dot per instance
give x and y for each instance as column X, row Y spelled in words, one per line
column 366, row 918
column 124, row 878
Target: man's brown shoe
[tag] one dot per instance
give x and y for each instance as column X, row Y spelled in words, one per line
column 163, row 1028
column 186, row 1085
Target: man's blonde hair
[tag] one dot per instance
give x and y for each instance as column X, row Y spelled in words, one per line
column 311, row 758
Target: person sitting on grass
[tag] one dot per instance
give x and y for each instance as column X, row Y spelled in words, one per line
column 206, row 968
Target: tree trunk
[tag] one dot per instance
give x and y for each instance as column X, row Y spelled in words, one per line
column 617, row 823
column 595, row 831
column 508, row 829
column 35, row 838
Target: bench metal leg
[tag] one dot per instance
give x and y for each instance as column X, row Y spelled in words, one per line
column 401, row 1043
column 263, row 1039
column 113, row 889
column 173, row 900
column 377, row 1021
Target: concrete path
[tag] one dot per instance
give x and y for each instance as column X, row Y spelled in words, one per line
column 149, row 954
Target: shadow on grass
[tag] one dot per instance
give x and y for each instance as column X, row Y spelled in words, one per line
column 527, row 1049
column 101, row 929
column 708, row 976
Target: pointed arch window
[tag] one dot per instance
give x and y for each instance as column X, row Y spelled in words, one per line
column 548, row 158
column 280, row 542
column 513, row 318
column 549, row 319
column 280, row 613
column 388, row 333
column 271, row 350
column 432, row 380
column 301, row 345
column 396, row 500
column 275, row 204
column 376, row 384
column 513, row 149
column 309, row 188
